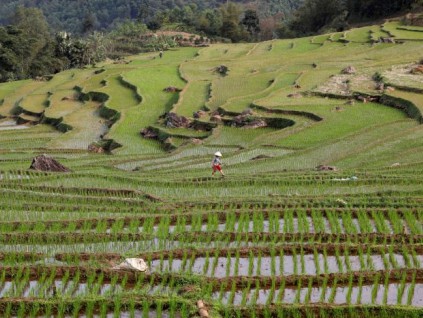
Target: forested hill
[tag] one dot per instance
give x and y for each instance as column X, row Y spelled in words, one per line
column 71, row 15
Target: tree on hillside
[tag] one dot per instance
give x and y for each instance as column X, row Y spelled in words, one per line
column 210, row 22
column 38, row 58
column 251, row 22
column 89, row 23
column 316, row 15
column 231, row 26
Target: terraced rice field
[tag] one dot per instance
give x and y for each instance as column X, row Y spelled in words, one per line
column 274, row 238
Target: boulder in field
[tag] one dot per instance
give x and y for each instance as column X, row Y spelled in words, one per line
column 349, row 70
column 47, row 163
column 295, row 95
column 199, row 114
column 172, row 89
column 149, row 133
column 216, row 118
column 95, row 148
column 387, row 40
column 326, row 168
column 175, row 121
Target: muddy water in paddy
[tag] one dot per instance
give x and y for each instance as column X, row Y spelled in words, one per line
column 357, row 297
column 281, row 266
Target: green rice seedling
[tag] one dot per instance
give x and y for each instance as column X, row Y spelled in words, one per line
column 184, row 260
column 236, row 266
column 132, row 308
column 281, row 262
column 369, row 260
column 222, row 291
column 230, row 222
column 325, row 261
column 323, row 289
column 361, row 258
column 334, row 223
column 134, row 226
column 333, row 291
column 411, row 290
column 117, row 303
column 395, row 222
column 90, row 309
column 281, row 293
column 309, row 291
column 259, row 258
column 348, row 223
column 350, row 288
column 401, row 288
column 385, row 260
column 48, row 310
column 245, row 294
column 145, row 308
column 124, row 281
column 103, row 309
column 385, row 290
column 274, row 222
column 228, row 265
column 295, row 261
column 414, row 225
column 76, row 308
column 406, row 255
column 207, row 263
column 21, row 310
column 302, row 260
column 8, row 310
column 316, row 261
column 180, row 225
column 273, row 262
column 375, row 288
column 289, row 222
column 250, row 264
column 318, row 223
column 215, row 262
column 297, row 299
column 255, row 296
column 232, row 294
column 148, row 226
column 392, row 257
column 347, row 260
column 365, row 226
column 271, row 295
column 415, row 258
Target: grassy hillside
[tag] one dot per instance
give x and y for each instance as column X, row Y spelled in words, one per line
column 275, row 237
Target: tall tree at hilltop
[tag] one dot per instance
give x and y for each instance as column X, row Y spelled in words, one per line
column 251, row 22
column 35, row 31
column 231, row 26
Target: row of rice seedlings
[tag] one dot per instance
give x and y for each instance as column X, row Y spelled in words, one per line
column 48, row 286
column 380, row 292
column 278, row 263
column 291, row 222
column 116, row 307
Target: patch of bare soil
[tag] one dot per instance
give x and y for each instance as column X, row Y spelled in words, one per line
column 337, row 85
column 404, row 75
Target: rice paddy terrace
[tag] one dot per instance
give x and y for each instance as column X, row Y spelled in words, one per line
column 275, row 237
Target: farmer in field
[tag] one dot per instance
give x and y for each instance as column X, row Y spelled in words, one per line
column 217, row 164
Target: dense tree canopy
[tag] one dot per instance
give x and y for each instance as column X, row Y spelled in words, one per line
column 77, row 16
